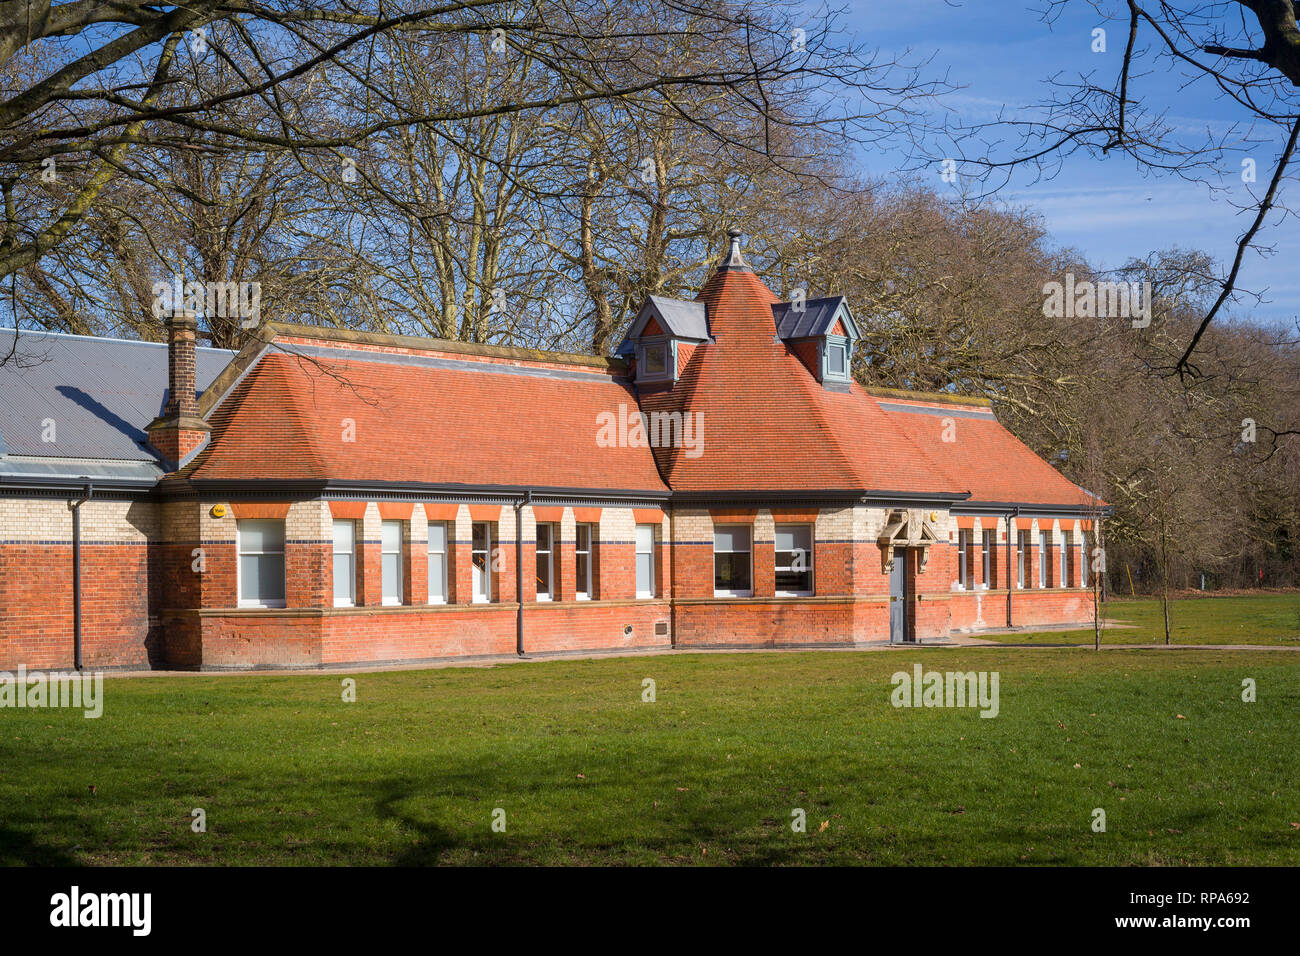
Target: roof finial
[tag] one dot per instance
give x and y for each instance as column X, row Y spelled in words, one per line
column 733, row 259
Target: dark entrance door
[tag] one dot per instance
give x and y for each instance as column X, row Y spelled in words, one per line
column 898, row 598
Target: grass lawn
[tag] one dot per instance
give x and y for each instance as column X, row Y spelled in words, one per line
column 587, row 773
column 1272, row 619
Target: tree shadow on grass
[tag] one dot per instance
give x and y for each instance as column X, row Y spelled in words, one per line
column 431, row 841
column 685, row 831
column 18, row 848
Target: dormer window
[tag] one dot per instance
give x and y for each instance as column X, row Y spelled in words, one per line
column 654, row 359
column 662, row 337
column 836, row 363
column 821, row 333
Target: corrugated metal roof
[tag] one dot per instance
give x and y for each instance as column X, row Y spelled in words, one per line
column 100, row 393
column 815, row 319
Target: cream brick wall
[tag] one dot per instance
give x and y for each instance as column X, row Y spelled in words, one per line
column 417, row 529
column 837, row 523
column 50, row 519
column 309, row 521
column 461, row 527
column 180, row 520
column 216, row 529
column 692, row 524
column 506, row 527
column 865, row 523
column 28, row 519
column 371, row 523
column 617, row 524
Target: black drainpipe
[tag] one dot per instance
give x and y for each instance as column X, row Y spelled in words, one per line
column 519, row 569
column 671, row 580
column 1012, row 569
column 75, row 505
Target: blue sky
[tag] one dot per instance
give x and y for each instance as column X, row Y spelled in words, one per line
column 1001, row 53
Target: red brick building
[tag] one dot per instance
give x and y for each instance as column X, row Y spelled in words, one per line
column 328, row 497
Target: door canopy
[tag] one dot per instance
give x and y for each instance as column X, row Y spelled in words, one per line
column 906, row 529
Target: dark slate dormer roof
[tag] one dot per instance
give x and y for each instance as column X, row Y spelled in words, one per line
column 678, row 318
column 817, row 318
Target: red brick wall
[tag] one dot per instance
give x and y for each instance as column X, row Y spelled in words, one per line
column 1051, row 606
column 137, row 595
column 774, row 622
column 692, row 570
column 272, row 638
column 36, row 623
column 618, row 571
column 175, row 443
column 1030, row 608
column 593, row 627
column 419, row 633
column 834, row 566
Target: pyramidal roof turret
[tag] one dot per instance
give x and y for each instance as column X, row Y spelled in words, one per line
column 738, row 302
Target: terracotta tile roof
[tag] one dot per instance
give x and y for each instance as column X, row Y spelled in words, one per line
column 983, row 456
column 429, row 415
column 421, row 420
column 768, row 423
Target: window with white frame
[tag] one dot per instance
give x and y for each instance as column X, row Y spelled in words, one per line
column 987, row 558
column 1066, row 542
column 963, row 559
column 835, row 360
column 481, row 559
column 545, row 562
column 437, row 562
column 584, row 536
column 390, row 561
column 1085, row 555
column 1022, row 544
column 794, row 559
column 732, row 561
column 260, row 543
column 645, row 560
column 345, row 563
column 1042, row 559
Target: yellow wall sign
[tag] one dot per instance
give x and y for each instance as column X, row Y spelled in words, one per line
column 218, row 511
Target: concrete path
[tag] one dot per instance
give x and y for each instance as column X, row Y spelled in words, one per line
column 960, row 640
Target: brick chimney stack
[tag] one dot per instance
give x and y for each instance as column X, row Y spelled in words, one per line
column 180, row 429
column 182, row 374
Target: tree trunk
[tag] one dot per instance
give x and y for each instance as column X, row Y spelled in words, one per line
column 1164, row 582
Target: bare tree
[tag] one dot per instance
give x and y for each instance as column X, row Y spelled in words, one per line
column 419, row 99
column 1247, row 51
